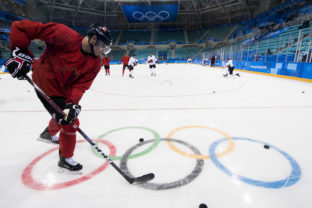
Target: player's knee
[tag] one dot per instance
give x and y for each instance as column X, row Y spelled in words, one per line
column 71, row 128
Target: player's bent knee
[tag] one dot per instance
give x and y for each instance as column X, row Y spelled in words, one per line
column 71, row 128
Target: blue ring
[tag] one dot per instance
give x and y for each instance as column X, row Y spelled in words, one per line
column 293, row 178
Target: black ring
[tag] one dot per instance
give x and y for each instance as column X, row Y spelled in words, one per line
column 163, row 186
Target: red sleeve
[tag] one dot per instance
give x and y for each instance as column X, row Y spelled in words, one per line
column 123, row 59
column 109, row 59
column 83, row 84
column 22, row 32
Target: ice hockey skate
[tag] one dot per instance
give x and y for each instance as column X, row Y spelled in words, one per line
column 69, row 166
column 45, row 136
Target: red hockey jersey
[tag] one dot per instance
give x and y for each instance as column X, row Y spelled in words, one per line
column 62, row 70
column 125, row 60
column 106, row 61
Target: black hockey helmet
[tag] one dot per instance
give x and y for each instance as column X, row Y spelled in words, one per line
column 102, row 33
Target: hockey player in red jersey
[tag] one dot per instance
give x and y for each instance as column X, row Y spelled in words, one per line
column 64, row 72
column 125, row 60
column 105, row 62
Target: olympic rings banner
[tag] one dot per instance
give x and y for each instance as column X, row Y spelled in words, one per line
column 155, row 13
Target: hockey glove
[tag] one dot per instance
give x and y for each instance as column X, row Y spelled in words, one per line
column 19, row 63
column 71, row 110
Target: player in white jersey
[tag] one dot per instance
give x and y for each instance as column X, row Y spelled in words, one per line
column 132, row 62
column 151, row 60
column 230, row 67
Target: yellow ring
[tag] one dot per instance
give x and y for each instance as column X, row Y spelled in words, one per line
column 174, row 148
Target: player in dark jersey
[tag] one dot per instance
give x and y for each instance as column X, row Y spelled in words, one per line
column 64, row 72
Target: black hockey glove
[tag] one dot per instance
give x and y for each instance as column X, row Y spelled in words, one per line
column 71, row 110
column 19, row 63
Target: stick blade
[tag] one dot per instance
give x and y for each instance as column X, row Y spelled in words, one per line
column 144, row 178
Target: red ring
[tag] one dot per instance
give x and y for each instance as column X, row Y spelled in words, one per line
column 29, row 181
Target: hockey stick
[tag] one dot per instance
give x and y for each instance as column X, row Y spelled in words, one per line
column 141, row 179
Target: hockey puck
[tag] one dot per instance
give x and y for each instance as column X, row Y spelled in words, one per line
column 266, row 146
column 141, row 140
column 203, row 206
column 302, row 92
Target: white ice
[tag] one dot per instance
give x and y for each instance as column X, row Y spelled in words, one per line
column 186, row 102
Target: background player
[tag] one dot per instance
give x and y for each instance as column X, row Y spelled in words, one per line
column 64, row 72
column 132, row 62
column 212, row 61
column 105, row 62
column 151, row 60
column 125, row 60
column 230, row 67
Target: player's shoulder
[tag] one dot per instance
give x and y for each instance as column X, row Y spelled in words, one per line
column 69, row 30
column 65, row 31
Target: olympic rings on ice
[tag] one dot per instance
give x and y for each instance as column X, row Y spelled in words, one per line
column 151, row 16
column 293, row 178
column 150, row 148
column 199, row 156
column 31, row 182
column 162, row 186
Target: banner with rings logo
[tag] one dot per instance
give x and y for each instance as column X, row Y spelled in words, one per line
column 154, row 13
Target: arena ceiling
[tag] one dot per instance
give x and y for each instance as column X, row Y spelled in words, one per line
column 192, row 14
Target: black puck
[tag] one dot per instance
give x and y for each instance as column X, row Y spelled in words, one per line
column 213, row 92
column 303, row 92
column 203, row 206
column 141, row 140
column 266, row 146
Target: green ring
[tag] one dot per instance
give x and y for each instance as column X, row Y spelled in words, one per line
column 154, row 144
